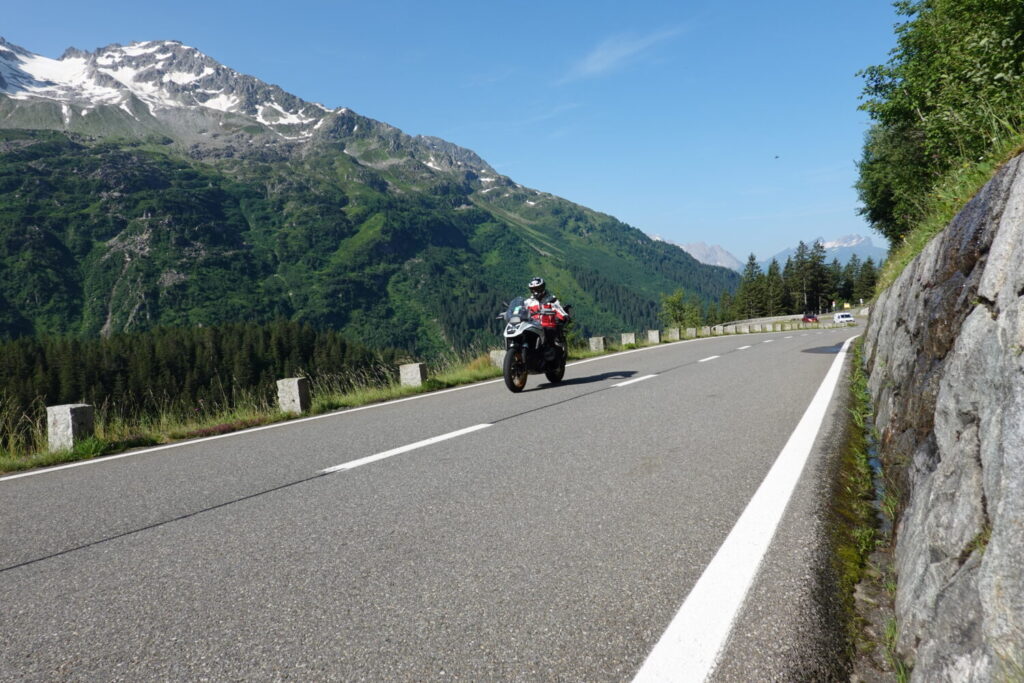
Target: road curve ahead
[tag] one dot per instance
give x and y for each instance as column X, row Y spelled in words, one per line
column 472, row 534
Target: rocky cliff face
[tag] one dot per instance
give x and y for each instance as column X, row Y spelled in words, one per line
column 945, row 349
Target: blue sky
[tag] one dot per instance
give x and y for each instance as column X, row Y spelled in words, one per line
column 732, row 123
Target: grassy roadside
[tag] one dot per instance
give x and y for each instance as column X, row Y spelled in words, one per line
column 950, row 196
column 862, row 538
column 114, row 434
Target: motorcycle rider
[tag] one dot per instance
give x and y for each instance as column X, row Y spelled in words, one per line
column 546, row 308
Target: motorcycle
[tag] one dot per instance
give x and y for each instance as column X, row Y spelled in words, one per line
column 530, row 348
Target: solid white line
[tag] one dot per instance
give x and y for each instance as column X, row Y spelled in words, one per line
column 633, row 381
column 705, row 360
column 690, row 647
column 403, row 449
column 743, row 348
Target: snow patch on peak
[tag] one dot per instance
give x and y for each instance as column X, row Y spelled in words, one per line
column 222, row 102
column 847, row 241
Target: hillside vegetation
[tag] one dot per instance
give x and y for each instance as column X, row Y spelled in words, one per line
column 107, row 236
column 948, row 107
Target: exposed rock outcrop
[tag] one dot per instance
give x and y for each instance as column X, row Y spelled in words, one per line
column 945, row 349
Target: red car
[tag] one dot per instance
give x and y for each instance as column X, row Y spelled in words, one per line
column 809, row 318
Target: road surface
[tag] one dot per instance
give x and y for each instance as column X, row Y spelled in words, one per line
column 471, row 534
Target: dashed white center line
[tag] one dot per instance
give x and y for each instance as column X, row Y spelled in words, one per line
column 768, row 341
column 743, row 348
column 633, row 381
column 789, row 337
column 705, row 360
column 403, row 449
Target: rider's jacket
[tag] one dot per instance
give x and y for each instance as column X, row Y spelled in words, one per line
column 548, row 311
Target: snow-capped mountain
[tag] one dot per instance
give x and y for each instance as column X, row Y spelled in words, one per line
column 842, row 249
column 144, row 79
column 169, row 89
column 709, row 254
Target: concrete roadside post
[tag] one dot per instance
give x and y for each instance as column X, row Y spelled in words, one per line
column 597, row 343
column 628, row 338
column 293, row 395
column 691, row 332
column 498, row 357
column 68, row 424
column 412, row 374
column 672, row 334
column 653, row 336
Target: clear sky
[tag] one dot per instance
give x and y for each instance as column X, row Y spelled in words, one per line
column 732, row 123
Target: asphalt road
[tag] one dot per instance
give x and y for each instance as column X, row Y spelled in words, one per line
column 555, row 544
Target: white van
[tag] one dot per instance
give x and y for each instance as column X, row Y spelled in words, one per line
column 844, row 319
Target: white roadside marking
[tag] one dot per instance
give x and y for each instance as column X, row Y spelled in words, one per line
column 403, row 449
column 633, row 381
column 690, row 647
column 743, row 348
column 705, row 360
column 767, row 341
column 789, row 337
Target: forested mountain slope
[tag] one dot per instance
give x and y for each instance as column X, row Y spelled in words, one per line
column 150, row 206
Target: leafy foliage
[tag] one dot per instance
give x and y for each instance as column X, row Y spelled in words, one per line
column 951, row 91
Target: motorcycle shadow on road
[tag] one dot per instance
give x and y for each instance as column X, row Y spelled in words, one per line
column 618, row 374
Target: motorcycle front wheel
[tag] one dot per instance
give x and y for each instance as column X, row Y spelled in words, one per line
column 555, row 374
column 514, row 370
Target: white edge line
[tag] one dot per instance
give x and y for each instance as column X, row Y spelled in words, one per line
column 403, row 449
column 285, row 423
column 633, row 381
column 705, row 360
column 691, row 645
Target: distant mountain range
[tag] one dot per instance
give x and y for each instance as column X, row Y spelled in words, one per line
column 710, row 254
column 148, row 185
column 843, row 248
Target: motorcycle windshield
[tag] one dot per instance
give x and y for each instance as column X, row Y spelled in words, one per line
column 516, row 309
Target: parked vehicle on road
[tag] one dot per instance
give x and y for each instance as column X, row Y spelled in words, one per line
column 844, row 319
column 530, row 347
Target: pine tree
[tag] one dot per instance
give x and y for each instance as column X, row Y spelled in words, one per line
column 774, row 291
column 750, row 295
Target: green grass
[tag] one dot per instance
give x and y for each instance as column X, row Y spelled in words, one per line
column 952, row 193
column 114, row 433
column 855, row 528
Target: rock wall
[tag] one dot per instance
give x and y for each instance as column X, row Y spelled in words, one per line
column 945, row 349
